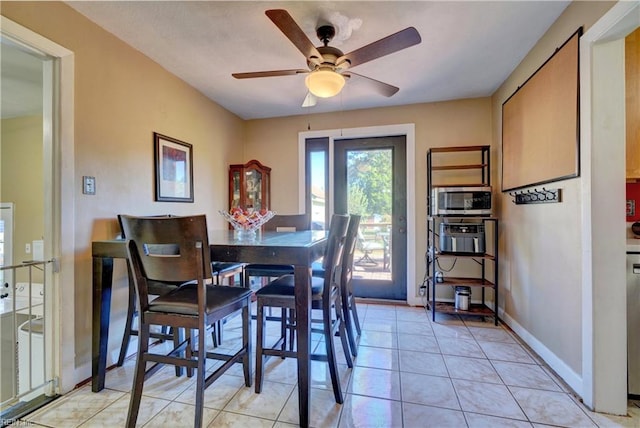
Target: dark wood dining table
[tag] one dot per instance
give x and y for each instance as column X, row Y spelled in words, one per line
column 299, row 249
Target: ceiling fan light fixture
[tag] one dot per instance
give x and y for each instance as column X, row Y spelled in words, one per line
column 324, row 83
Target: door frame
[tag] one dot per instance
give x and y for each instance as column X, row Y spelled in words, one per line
column 59, row 172
column 408, row 130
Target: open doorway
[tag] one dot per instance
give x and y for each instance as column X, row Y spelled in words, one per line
column 50, row 174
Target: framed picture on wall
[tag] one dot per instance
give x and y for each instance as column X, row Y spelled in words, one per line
column 173, row 168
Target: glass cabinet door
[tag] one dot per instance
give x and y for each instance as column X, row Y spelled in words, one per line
column 253, row 189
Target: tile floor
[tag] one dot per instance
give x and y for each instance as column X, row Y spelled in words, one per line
column 409, row 372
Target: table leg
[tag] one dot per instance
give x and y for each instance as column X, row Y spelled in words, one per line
column 303, row 329
column 102, row 281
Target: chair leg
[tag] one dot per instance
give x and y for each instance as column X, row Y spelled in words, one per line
column 216, row 334
column 246, row 342
column 347, row 323
column 138, row 378
column 292, row 328
column 260, row 335
column 331, row 356
column 354, row 312
column 177, row 338
column 202, row 359
column 188, row 352
column 342, row 333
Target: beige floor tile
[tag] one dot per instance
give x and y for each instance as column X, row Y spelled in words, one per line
column 476, row 369
column 234, row 420
column 375, row 383
column 493, row 334
column 548, row 407
column 428, row 390
column 116, row 414
column 413, row 327
column 217, row 395
column 415, row 415
column 506, row 352
column 75, row 408
column 525, row 375
column 487, row 398
column 379, row 358
column 180, row 415
column 448, row 331
column 475, row 420
column 381, row 312
column 379, row 339
column 412, row 342
column 421, row 362
column 267, row 404
column 367, row 412
column 375, row 324
column 411, row 313
column 460, row 347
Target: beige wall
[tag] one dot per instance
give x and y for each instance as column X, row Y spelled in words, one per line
column 274, row 142
column 121, row 98
column 22, row 183
column 540, row 244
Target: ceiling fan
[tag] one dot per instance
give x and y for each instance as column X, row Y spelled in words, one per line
column 328, row 67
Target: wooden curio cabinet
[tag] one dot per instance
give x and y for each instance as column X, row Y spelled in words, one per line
column 250, row 186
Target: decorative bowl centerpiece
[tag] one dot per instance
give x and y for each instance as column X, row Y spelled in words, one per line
column 247, row 222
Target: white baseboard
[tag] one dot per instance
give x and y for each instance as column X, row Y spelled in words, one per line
column 573, row 379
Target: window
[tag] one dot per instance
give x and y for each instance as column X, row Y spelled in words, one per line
column 317, row 181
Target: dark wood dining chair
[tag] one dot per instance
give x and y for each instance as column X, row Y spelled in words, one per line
column 176, row 249
column 155, row 288
column 349, row 308
column 278, row 223
column 325, row 295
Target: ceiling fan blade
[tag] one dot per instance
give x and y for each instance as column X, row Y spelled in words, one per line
column 380, row 87
column 288, row 26
column 390, row 44
column 310, row 100
column 252, row 74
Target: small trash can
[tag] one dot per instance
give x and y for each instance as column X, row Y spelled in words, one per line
column 463, row 298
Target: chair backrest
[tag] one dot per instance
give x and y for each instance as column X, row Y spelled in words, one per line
column 170, row 249
column 333, row 254
column 350, row 246
column 288, row 223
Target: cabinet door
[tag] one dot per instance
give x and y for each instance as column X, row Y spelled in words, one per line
column 249, row 186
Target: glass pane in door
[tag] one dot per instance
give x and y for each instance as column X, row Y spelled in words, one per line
column 369, row 194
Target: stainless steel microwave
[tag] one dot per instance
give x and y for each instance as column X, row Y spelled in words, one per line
column 461, row 201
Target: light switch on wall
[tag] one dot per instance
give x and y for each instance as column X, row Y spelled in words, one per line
column 88, row 185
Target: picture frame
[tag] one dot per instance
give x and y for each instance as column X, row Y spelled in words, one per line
column 173, row 169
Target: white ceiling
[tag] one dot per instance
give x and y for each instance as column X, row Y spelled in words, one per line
column 468, row 47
